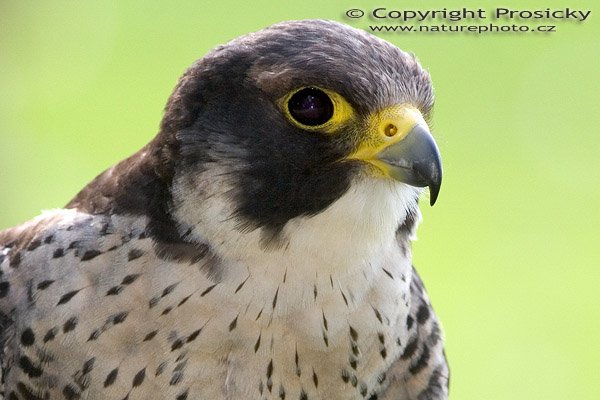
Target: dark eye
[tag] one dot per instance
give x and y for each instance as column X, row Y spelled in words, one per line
column 311, row 106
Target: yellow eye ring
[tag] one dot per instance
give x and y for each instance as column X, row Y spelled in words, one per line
column 316, row 109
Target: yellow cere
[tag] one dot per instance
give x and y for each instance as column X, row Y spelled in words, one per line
column 342, row 112
column 385, row 128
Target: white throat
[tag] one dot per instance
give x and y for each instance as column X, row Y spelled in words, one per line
column 347, row 241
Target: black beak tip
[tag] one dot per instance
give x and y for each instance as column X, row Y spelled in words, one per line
column 431, row 176
column 435, row 183
column 434, row 190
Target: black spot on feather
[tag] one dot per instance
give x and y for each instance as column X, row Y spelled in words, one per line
column 65, row 298
column 90, row 255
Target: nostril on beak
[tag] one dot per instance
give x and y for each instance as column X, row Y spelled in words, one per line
column 390, row 130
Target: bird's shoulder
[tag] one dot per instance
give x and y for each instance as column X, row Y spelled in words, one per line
column 46, row 231
column 57, row 243
column 36, row 255
column 62, row 237
column 73, row 276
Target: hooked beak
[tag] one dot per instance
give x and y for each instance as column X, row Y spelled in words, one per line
column 416, row 161
column 400, row 145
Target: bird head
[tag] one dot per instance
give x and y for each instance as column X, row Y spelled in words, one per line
column 282, row 124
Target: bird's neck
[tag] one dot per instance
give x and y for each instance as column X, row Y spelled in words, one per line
column 348, row 245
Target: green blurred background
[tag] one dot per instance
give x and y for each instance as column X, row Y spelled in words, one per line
column 510, row 252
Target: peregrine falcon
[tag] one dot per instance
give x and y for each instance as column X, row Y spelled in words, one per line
column 257, row 248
